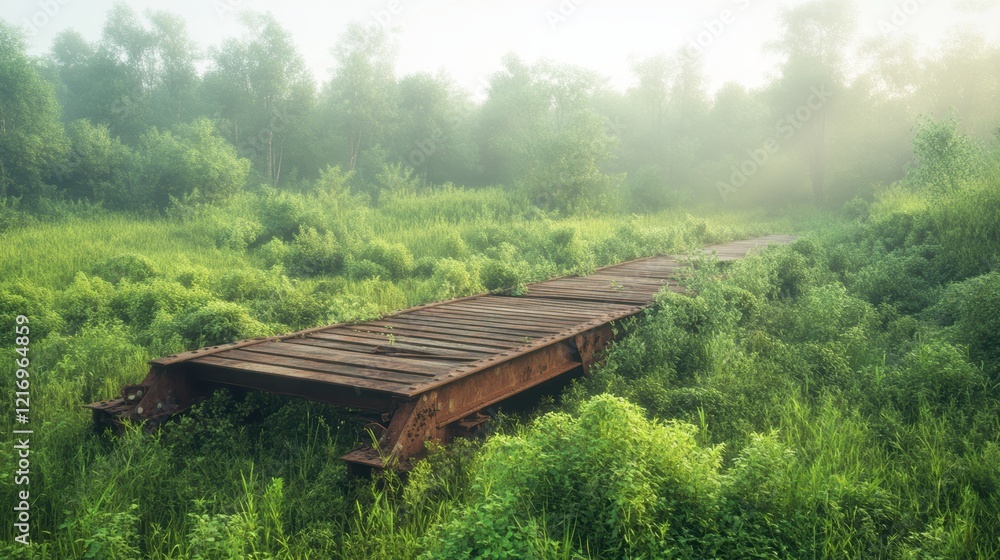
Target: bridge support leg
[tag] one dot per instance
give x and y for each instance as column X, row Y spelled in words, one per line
column 163, row 393
column 442, row 411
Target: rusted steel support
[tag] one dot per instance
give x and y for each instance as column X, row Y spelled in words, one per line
column 452, row 409
column 163, row 393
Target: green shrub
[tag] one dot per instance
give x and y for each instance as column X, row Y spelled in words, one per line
column 314, row 254
column 99, row 533
column 501, row 276
column 569, row 252
column 87, row 300
column 95, row 363
column 945, row 158
column 452, row 279
column 395, row 258
column 274, row 252
column 979, row 325
column 936, row 374
column 622, row 485
column 126, row 266
column 367, row 299
column 897, row 280
column 216, row 322
column 424, row 267
column 243, row 285
column 34, row 302
column 364, row 269
column 760, row 520
column 138, row 304
column 290, row 305
column 281, row 214
column 235, row 233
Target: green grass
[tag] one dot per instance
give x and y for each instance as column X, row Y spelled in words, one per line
column 793, row 408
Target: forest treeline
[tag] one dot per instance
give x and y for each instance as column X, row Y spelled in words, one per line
column 837, row 397
column 144, row 116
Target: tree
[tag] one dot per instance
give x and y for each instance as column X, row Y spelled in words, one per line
column 666, row 115
column 526, row 106
column 432, row 129
column 191, row 162
column 259, row 86
column 32, row 140
column 133, row 78
column 361, row 96
column 96, row 160
column 812, row 45
column 653, row 75
column 566, row 175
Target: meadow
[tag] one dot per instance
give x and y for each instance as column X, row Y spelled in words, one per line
column 833, row 398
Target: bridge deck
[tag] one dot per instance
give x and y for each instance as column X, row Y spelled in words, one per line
column 465, row 354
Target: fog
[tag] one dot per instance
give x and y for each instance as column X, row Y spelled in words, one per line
column 574, row 104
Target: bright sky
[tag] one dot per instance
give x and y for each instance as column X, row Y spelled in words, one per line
column 469, row 38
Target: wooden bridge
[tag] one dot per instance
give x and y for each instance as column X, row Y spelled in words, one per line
column 427, row 372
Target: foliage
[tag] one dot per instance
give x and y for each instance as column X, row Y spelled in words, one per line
column 32, row 140
column 945, row 158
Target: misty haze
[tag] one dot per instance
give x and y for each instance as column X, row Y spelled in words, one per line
column 561, row 279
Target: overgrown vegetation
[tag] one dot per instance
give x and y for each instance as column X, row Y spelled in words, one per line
column 834, row 398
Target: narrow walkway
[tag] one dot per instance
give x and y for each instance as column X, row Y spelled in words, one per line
column 429, row 370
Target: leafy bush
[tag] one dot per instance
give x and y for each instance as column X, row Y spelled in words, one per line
column 501, row 276
column 96, row 162
column 364, row 269
column 424, row 266
column 86, row 301
column 234, row 232
column 569, row 252
column 622, row 485
column 395, row 258
column 217, row 322
column 314, row 254
column 282, row 214
column 138, row 304
column 898, row 280
column 127, row 266
column 452, row 279
column 979, row 322
column 94, row 363
column 945, row 158
column 34, row 302
column 935, row 374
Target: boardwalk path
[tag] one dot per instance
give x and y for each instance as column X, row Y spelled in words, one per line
column 426, row 371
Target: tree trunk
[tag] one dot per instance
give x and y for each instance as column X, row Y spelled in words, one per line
column 817, row 168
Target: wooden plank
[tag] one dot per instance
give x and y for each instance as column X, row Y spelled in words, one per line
column 584, row 291
column 556, row 305
column 469, row 329
column 279, row 370
column 469, row 336
column 372, row 346
column 518, row 309
column 448, row 337
column 365, row 360
column 343, row 370
column 581, row 297
column 419, row 341
column 507, row 318
column 479, row 326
